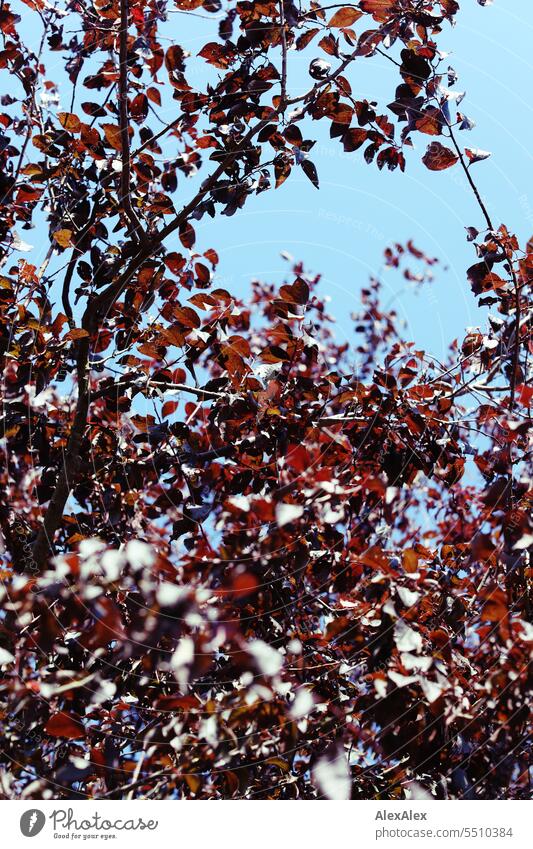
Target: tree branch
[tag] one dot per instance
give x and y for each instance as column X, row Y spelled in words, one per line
column 71, row 462
column 76, row 253
column 125, row 176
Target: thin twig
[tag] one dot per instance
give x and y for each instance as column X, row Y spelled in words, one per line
column 517, row 328
column 283, row 54
column 164, row 773
column 149, row 142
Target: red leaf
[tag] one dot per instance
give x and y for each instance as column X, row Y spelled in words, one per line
column 64, row 724
column 139, row 108
column 438, row 157
column 187, row 235
column 525, row 394
column 353, row 139
column 244, row 585
column 175, row 262
column 379, row 9
column 203, row 275
column 212, row 256
column 216, row 54
column 169, row 407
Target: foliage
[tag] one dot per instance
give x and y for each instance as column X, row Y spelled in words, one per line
column 235, row 595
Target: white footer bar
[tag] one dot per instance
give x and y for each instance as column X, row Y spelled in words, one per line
column 260, row 825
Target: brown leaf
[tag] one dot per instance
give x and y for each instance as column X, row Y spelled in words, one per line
column 112, row 134
column 300, row 291
column 345, row 17
column 187, row 235
column 495, row 608
column 187, row 317
column 303, row 40
column 174, row 58
column 153, row 95
column 77, row 333
column 310, row 171
column 430, row 123
column 282, row 169
column 438, row 157
column 354, row 138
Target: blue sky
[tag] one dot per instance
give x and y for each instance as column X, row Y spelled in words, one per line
column 342, row 229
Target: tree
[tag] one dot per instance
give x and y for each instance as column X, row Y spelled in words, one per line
column 232, row 595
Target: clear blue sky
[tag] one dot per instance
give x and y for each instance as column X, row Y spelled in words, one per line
column 342, row 229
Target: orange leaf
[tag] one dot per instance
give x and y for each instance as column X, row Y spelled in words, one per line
column 153, row 95
column 69, row 121
column 112, row 134
column 345, row 17
column 410, row 560
column 63, row 237
column 77, row 333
